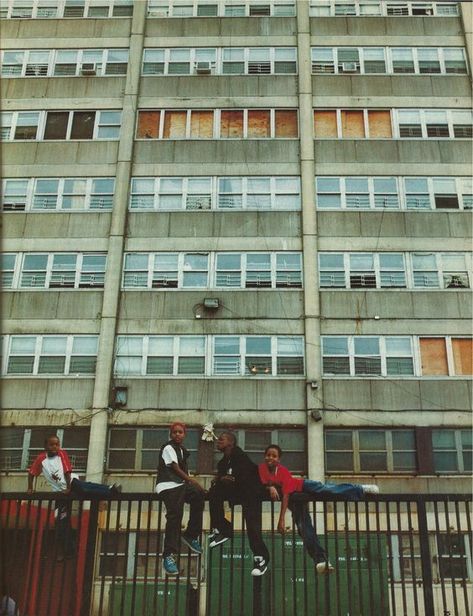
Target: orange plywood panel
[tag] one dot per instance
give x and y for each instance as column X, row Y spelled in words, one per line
column 175, row 124
column 148, row 125
column 325, row 123
column 463, row 355
column 259, row 123
column 231, row 124
column 380, row 124
column 433, row 356
column 286, row 123
column 353, row 125
column 202, row 124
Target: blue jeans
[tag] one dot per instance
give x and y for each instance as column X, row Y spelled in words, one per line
column 303, row 521
column 88, row 488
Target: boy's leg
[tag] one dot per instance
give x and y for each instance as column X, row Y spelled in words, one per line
column 65, row 547
column 305, row 528
column 196, row 500
column 351, row 491
column 174, row 502
column 85, row 488
column 252, row 515
column 218, row 494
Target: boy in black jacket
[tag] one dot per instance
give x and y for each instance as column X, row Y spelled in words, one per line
column 238, row 482
column 176, row 488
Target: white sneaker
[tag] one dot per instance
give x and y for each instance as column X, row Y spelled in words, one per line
column 324, row 567
column 370, row 488
column 260, row 566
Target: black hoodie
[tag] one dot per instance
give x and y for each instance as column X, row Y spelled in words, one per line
column 239, row 465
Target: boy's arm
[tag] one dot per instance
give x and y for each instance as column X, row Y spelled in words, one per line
column 282, row 514
column 67, row 477
column 180, row 473
column 34, row 471
column 30, row 483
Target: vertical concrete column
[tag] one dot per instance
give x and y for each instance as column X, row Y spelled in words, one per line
column 467, row 23
column 314, row 396
column 116, row 243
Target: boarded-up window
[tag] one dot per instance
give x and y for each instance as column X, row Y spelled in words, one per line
column 259, row 124
column 202, row 124
column 353, row 125
column 380, row 124
column 286, row 123
column 231, row 124
column 148, row 125
column 434, row 356
column 56, row 125
column 83, row 125
column 175, row 125
column 325, row 124
column 463, row 355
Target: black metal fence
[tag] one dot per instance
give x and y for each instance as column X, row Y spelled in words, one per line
column 392, row 555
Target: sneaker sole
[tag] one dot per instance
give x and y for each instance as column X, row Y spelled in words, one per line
column 171, row 573
column 259, row 573
column 191, row 548
column 213, row 544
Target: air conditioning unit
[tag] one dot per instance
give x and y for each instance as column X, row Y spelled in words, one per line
column 203, row 68
column 349, row 67
column 88, row 68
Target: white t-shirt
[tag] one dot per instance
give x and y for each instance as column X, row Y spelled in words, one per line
column 53, row 472
column 169, row 456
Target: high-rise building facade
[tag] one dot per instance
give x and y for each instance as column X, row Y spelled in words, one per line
column 251, row 214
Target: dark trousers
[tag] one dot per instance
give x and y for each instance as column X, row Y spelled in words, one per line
column 251, row 506
column 174, row 500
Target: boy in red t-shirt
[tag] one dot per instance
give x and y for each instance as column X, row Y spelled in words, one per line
column 279, row 480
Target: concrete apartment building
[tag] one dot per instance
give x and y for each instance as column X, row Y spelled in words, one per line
column 255, row 214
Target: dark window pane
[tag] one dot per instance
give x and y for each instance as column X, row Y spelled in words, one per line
column 373, row 462
column 446, row 202
column 159, row 365
column 339, row 461
column 83, row 125
column 154, row 439
column 56, row 125
column 121, row 460
column 76, row 437
column 445, row 461
column 123, row 439
column 191, row 365
column 149, row 460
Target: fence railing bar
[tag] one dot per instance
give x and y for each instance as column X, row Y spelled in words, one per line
column 450, row 557
column 368, row 550
column 145, row 573
column 413, row 563
column 337, row 554
column 425, row 558
column 464, row 570
column 437, row 540
column 401, row 558
column 87, row 596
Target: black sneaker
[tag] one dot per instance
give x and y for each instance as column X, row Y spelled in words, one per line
column 260, row 566
column 116, row 488
column 217, row 539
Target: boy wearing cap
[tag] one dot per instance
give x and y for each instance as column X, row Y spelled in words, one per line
column 176, row 488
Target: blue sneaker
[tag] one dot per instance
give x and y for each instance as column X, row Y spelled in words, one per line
column 193, row 544
column 170, row 565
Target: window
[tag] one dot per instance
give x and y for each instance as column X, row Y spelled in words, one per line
column 447, row 356
column 221, row 8
column 370, row 451
column 55, row 271
column 60, row 194
column 229, row 356
column 32, row 63
column 202, row 61
column 224, row 193
column 137, row 449
column 50, row 355
column 452, row 451
column 352, row 124
column 223, row 124
column 59, row 125
column 52, row 9
column 212, row 270
column 372, row 8
column 438, row 124
column 20, row 446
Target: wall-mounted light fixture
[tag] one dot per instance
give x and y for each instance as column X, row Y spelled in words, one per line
column 119, row 396
column 211, row 303
column 316, row 415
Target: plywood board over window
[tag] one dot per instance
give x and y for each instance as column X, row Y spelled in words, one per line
column 175, row 125
column 231, row 124
column 353, row 124
column 286, row 123
column 434, row 356
column 202, row 124
column 380, row 124
column 325, row 124
column 463, row 355
column 259, row 124
column 148, row 124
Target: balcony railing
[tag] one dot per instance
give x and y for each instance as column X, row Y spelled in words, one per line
column 393, row 555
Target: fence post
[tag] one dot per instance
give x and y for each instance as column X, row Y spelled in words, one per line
column 87, row 590
column 257, row 603
column 426, row 560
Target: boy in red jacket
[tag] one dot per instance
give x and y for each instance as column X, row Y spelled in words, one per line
column 279, row 480
column 55, row 466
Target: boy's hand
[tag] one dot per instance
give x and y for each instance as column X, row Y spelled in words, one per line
column 228, row 478
column 195, row 483
column 67, row 491
column 273, row 493
column 281, row 528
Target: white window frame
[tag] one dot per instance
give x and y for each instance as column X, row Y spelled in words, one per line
column 48, row 271
column 450, row 115
column 37, row 12
column 37, row 354
column 163, row 8
column 461, row 183
column 212, row 271
column 209, row 370
column 388, row 60
column 457, row 434
column 382, row 4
